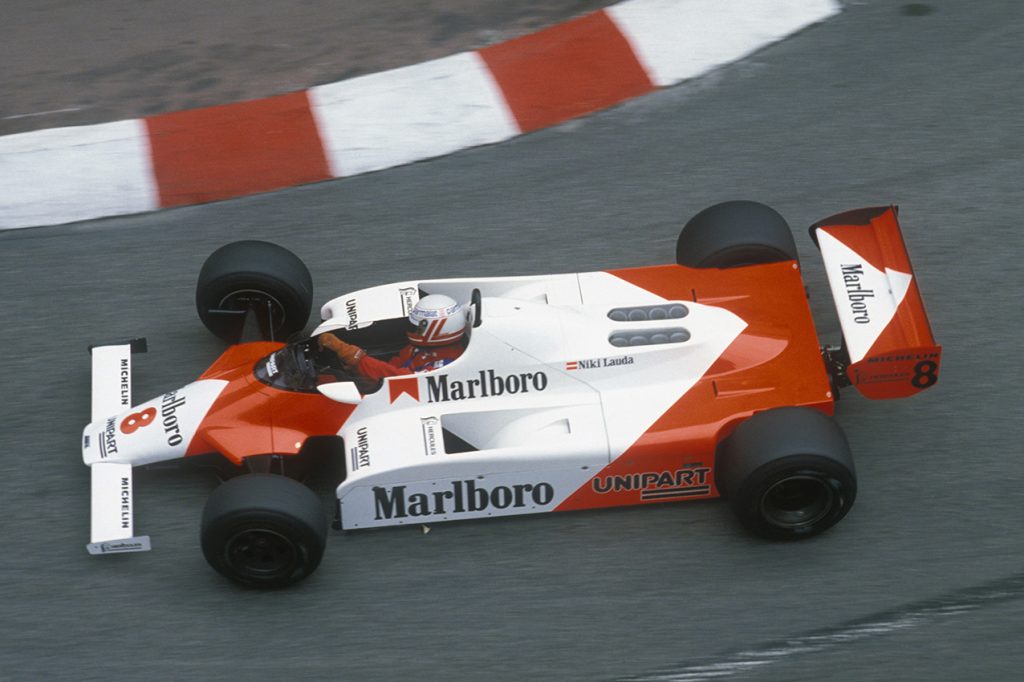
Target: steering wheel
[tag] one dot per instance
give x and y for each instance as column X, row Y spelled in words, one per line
column 303, row 361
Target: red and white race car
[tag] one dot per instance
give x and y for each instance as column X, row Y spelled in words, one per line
column 695, row 380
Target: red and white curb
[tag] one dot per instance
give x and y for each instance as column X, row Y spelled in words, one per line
column 385, row 119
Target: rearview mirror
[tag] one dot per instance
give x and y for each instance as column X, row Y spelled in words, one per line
column 341, row 392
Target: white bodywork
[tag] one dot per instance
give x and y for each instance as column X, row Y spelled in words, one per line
column 167, row 425
column 867, row 298
column 541, row 400
column 112, row 495
column 160, row 430
column 541, row 394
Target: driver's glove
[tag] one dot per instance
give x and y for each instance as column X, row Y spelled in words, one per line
column 348, row 354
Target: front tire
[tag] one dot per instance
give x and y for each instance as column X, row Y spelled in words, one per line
column 735, row 233
column 263, row 530
column 254, row 279
column 787, row 473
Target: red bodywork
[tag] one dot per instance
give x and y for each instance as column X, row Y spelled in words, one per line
column 251, row 418
column 775, row 362
column 905, row 358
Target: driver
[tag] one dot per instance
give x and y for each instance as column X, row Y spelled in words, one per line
column 436, row 332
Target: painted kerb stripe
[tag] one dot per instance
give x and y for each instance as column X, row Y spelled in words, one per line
column 386, row 119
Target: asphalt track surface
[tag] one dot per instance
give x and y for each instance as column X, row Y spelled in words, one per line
column 913, row 104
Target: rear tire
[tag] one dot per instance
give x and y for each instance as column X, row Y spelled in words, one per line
column 787, row 473
column 263, row 530
column 735, row 233
column 264, row 278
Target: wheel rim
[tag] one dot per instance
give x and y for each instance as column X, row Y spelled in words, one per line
column 261, row 554
column 797, row 501
column 263, row 304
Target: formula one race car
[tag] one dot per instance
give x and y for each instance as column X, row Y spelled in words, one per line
column 666, row 383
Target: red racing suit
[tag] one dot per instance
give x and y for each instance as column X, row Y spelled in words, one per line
column 410, row 360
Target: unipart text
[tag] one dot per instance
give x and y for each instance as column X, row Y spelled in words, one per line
column 108, row 444
column 651, row 479
column 352, row 313
column 687, row 482
column 361, row 451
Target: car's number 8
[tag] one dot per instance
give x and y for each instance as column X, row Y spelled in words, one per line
column 136, row 420
column 925, row 374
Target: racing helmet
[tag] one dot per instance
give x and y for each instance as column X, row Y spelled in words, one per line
column 436, row 320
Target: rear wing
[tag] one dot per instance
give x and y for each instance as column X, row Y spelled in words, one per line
column 112, row 508
column 886, row 335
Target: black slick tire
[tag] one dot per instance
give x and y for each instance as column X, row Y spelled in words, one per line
column 261, row 277
column 787, row 473
column 735, row 233
column 263, row 530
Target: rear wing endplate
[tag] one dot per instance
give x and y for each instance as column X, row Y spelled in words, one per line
column 892, row 353
column 112, row 497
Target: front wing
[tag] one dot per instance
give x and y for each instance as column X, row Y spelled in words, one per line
column 112, row 516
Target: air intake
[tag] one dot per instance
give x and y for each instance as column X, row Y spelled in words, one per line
column 648, row 313
column 648, row 337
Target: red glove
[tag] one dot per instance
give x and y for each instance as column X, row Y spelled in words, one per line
column 348, row 354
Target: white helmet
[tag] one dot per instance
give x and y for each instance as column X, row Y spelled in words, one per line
column 436, row 320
